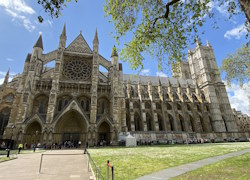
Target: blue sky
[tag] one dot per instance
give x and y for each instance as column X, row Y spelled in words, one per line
column 20, row 30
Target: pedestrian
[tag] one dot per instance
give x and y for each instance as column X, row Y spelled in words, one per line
column 79, row 143
column 20, row 147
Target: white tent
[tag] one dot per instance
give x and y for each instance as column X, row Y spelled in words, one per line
column 130, row 141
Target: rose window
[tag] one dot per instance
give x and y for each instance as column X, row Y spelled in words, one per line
column 77, row 70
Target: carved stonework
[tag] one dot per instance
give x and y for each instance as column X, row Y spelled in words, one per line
column 76, row 69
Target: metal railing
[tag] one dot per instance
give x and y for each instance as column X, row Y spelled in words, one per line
column 95, row 169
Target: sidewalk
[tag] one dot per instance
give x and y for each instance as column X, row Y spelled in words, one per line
column 176, row 171
column 56, row 167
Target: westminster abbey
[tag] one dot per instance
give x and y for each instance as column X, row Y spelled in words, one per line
column 74, row 101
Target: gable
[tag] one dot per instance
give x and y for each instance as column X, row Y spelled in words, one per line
column 79, row 45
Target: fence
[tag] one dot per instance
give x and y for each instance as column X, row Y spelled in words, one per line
column 95, row 169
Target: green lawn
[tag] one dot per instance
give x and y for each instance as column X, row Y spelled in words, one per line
column 233, row 168
column 130, row 163
column 2, row 159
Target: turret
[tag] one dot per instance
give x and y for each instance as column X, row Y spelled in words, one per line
column 197, row 89
column 6, row 79
column 169, row 87
column 197, row 41
column 114, row 58
column 188, row 88
column 208, row 44
column 179, row 87
column 96, row 43
column 63, row 38
column 38, row 49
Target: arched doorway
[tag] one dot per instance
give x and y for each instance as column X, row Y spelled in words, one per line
column 33, row 134
column 72, row 128
column 4, row 119
column 104, row 134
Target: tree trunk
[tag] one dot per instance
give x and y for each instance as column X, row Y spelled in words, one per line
column 245, row 5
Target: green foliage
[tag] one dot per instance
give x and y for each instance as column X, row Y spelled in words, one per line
column 161, row 28
column 237, row 66
column 53, row 7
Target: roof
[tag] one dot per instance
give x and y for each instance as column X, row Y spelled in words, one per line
column 39, row 42
column 79, row 45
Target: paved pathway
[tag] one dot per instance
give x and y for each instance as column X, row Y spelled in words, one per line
column 176, row 171
column 54, row 167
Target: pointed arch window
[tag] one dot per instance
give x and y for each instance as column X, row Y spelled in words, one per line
column 103, row 107
column 87, row 105
column 66, row 102
column 60, row 105
column 41, row 106
column 4, row 119
column 82, row 104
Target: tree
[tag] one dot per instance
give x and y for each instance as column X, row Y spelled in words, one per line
column 237, row 66
column 53, row 7
column 162, row 28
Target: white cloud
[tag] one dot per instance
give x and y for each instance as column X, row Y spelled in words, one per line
column 18, row 6
column 236, row 32
column 161, row 74
column 2, row 73
column 19, row 10
column 239, row 97
column 1, row 81
column 145, row 72
column 10, row 59
column 2, row 76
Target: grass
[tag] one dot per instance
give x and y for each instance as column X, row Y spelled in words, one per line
column 131, row 163
column 233, row 168
column 2, row 159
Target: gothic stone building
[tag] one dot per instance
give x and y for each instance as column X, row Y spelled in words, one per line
column 75, row 101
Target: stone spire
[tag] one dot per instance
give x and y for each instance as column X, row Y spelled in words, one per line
column 188, row 88
column 197, row 89
column 179, row 86
column 159, row 81
column 208, row 44
column 64, row 31
column 189, row 50
column 96, row 43
column 6, row 79
column 197, row 41
column 39, row 42
column 114, row 52
column 96, row 38
column 63, row 38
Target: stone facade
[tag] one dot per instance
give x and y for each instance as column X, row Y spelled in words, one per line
column 75, row 101
column 242, row 120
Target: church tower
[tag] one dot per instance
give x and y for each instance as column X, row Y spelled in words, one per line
column 205, row 72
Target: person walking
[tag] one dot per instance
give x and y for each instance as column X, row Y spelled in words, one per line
column 20, row 147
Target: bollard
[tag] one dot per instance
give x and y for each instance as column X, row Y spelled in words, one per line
column 107, row 169
column 112, row 172
column 8, row 152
